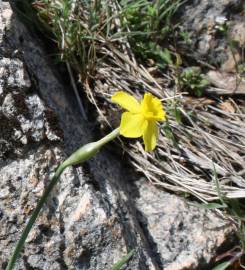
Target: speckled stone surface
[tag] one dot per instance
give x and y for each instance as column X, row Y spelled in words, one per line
column 204, row 22
column 183, row 236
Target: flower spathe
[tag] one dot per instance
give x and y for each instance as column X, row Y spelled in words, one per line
column 141, row 117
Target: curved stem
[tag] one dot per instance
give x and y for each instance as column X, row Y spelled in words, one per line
column 33, row 217
column 108, row 137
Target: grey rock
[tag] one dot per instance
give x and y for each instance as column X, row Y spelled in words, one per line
column 182, row 239
column 96, row 214
column 14, row 74
column 35, row 125
column 203, row 20
column 23, row 115
column 8, row 107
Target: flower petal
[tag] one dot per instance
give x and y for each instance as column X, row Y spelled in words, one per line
column 132, row 125
column 152, row 108
column 150, row 135
column 126, row 101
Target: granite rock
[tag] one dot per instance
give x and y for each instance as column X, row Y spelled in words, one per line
column 211, row 25
column 183, row 238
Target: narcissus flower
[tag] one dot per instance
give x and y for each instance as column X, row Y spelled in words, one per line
column 140, row 118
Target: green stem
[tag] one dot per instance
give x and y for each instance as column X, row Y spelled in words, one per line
column 82, row 154
column 89, row 150
column 111, row 136
column 33, row 217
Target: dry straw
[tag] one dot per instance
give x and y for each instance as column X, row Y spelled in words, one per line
column 206, row 137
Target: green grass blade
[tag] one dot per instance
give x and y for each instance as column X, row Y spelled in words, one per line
column 208, row 206
column 222, row 266
column 221, row 197
column 124, row 260
column 213, row 206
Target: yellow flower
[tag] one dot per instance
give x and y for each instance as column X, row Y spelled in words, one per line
column 141, row 118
